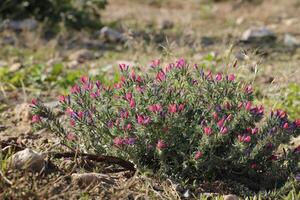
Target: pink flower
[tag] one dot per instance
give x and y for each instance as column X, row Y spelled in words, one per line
column 62, row 98
column 172, row 108
column 155, row 108
column 244, row 138
column 161, row 76
column 221, row 123
column 133, row 77
column 72, row 122
column 219, row 77
column 224, row 130
column 231, row 77
column 98, row 84
column 84, row 79
column 180, row 107
column 248, row 89
column 180, row 63
column 286, row 125
column 155, row 63
column 161, row 144
column 128, row 127
column 229, row 117
column 207, row 131
column 124, row 114
column 240, row 105
column 132, row 103
column 118, row 85
column 273, row 157
column 34, row 102
column 248, row 105
column 254, row 131
column 118, row 141
column 209, row 75
column 198, row 155
column 35, row 119
column 297, row 122
column 247, row 139
column 128, row 96
column 80, row 114
column 253, row 165
column 123, row 67
column 215, row 115
column 140, row 119
column 75, row 89
column 140, row 89
column 71, row 136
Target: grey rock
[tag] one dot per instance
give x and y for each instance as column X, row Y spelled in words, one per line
column 258, row 34
column 207, row 41
column 86, row 179
column 290, row 41
column 52, row 104
column 27, row 159
column 20, row 25
column 111, row 35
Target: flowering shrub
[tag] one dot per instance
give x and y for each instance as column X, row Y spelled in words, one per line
column 181, row 122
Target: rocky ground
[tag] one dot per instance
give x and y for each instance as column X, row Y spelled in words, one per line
column 263, row 37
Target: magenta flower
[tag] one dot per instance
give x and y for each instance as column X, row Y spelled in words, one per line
column 297, row 122
column 224, row 130
column 161, row 145
column 118, row 85
column 248, row 105
column 155, row 63
column 231, row 77
column 34, row 102
column 253, row 165
column 207, row 131
column 221, row 123
column 219, row 77
column 140, row 119
column 118, row 141
column 132, row 103
column 172, row 108
column 247, row 139
column 75, row 89
column 130, row 141
column 84, row 79
column 198, row 155
column 123, row 67
column 248, row 89
column 180, row 63
column 215, row 115
column 155, row 108
column 161, row 76
column 62, row 98
column 128, row 96
column 286, row 125
column 229, row 117
column 35, row 119
column 71, row 136
column 128, row 127
column 140, row 89
column 209, row 75
column 180, row 107
column 124, row 114
column 72, row 122
column 80, row 114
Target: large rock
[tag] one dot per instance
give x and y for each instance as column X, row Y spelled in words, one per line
column 86, row 179
column 290, row 41
column 258, row 34
column 111, row 35
column 20, row 25
column 27, row 159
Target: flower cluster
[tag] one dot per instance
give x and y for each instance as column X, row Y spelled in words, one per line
column 180, row 121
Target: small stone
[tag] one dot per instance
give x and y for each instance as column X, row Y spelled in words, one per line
column 166, row 24
column 111, row 35
column 290, row 41
column 261, row 34
column 27, row 159
column 187, row 194
column 86, row 179
column 230, row 197
column 15, row 67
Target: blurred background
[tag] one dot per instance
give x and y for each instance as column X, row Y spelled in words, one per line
column 46, row 45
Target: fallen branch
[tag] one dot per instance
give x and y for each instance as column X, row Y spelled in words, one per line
column 98, row 158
